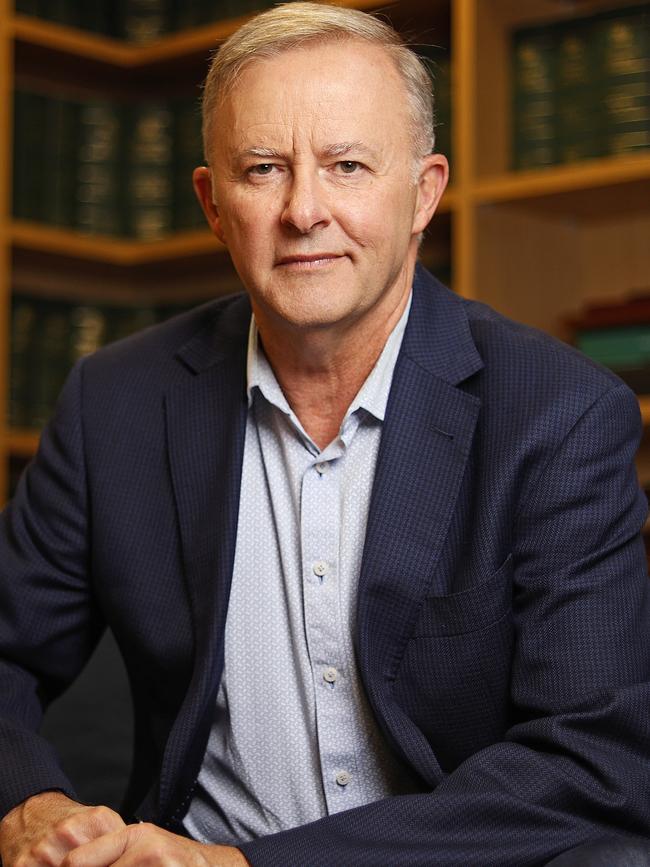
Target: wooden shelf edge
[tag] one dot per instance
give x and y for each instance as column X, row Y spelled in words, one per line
column 644, row 406
column 71, row 40
column 116, row 251
column 21, row 443
column 538, row 183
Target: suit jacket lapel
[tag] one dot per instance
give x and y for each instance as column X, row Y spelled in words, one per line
column 426, row 440
column 206, row 418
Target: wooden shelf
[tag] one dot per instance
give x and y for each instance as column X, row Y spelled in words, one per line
column 22, row 443
column 644, row 406
column 58, row 38
column 115, row 251
column 623, row 183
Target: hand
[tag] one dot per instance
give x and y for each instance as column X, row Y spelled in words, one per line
column 147, row 844
column 43, row 829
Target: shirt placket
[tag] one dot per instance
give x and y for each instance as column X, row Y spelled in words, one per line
column 320, row 543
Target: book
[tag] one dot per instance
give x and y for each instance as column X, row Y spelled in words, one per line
column 22, row 343
column 535, row 138
column 188, row 154
column 623, row 40
column 144, row 20
column 28, row 175
column 581, row 88
column 150, row 160
column 99, row 170
column 579, row 124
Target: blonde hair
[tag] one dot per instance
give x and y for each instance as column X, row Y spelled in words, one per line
column 292, row 25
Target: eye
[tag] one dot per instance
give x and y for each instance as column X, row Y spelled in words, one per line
column 349, row 167
column 261, row 169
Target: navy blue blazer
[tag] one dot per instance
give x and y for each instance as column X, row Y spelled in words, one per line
column 503, row 631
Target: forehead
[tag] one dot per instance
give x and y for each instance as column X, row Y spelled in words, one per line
column 319, row 90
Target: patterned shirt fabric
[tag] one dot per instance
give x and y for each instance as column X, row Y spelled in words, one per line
column 293, row 737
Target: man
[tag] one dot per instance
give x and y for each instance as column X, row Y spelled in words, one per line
column 372, row 556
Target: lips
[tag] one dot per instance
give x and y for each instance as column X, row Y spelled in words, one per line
column 309, row 259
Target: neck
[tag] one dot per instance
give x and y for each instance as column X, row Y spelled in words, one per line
column 321, row 370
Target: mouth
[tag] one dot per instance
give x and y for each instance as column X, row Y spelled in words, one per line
column 308, row 262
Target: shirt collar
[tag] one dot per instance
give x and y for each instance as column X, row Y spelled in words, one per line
column 373, row 394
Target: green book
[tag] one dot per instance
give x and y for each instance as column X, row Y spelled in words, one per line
column 438, row 64
column 99, row 16
column 617, row 347
column 49, row 361
column 191, row 13
column 150, row 157
column 99, row 171
column 27, row 7
column 580, row 133
column 145, row 20
column 29, row 162
column 60, row 11
column 87, row 330
column 534, row 131
column 22, row 344
column 58, row 191
column 188, row 154
column 623, row 40
column 124, row 320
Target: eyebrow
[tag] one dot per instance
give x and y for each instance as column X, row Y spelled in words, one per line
column 334, row 150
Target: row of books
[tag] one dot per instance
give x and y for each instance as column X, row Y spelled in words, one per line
column 618, row 336
column 581, row 88
column 105, row 167
column 49, row 335
column 137, row 21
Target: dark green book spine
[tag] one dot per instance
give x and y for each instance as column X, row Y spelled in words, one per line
column 580, row 133
column 59, row 183
column 624, row 42
column 27, row 7
column 150, row 171
column 124, row 320
column 29, row 158
column 535, row 140
column 49, row 360
column 145, row 20
column 99, row 200
column 87, row 330
column 23, row 325
column 188, row 154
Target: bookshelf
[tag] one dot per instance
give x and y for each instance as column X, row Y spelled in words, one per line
column 535, row 244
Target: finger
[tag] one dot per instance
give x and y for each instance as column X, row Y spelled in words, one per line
column 78, row 828
column 101, row 851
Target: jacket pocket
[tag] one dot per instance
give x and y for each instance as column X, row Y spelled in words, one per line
column 467, row 611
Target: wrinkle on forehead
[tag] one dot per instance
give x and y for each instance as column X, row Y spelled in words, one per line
column 327, row 101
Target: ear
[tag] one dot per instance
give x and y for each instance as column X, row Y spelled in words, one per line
column 202, row 179
column 431, row 184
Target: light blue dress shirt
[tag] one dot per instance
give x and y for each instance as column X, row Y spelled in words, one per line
column 293, row 737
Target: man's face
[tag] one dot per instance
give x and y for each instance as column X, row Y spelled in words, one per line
column 314, row 184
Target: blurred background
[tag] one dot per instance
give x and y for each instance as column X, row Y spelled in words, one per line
column 542, row 106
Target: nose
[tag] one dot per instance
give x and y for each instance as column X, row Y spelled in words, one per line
column 305, row 207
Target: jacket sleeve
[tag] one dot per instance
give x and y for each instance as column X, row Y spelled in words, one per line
column 574, row 764
column 48, row 622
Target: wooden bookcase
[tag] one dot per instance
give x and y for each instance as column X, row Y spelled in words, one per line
column 536, row 244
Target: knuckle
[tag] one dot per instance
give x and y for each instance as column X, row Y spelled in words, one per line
column 67, row 831
column 104, row 817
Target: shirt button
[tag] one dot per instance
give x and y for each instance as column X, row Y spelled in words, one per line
column 330, row 674
column 343, row 778
column 321, row 467
column 320, row 568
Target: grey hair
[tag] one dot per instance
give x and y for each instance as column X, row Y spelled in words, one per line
column 292, row 25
